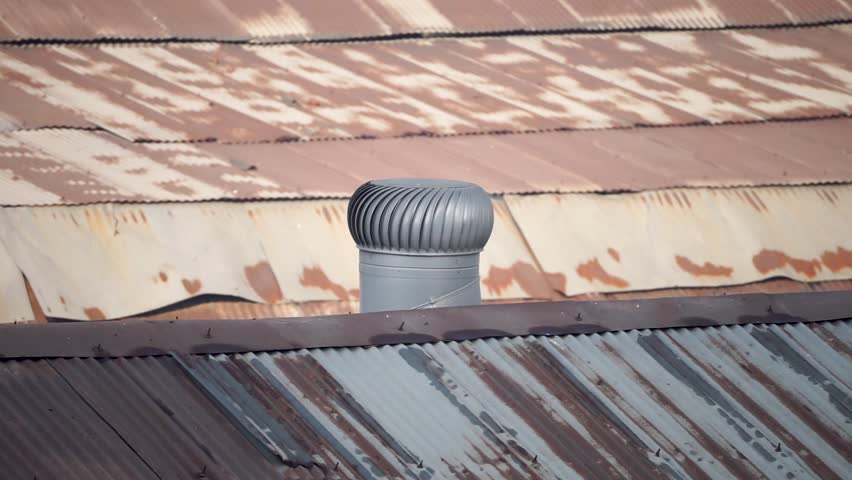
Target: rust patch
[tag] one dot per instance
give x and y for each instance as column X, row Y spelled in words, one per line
column 614, row 254
column 668, row 199
column 592, row 270
column 107, row 159
column 94, row 313
column 326, row 214
column 706, row 270
column 557, row 280
column 315, row 277
column 176, row 187
column 62, row 300
column 262, row 280
column 164, row 278
column 355, row 293
column 136, row 171
column 837, row 261
column 768, row 260
column 192, row 286
column 526, row 276
column 132, row 216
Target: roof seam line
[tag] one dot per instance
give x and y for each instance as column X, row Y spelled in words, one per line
column 106, row 422
column 35, row 42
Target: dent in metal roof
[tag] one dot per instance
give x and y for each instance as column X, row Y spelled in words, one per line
column 697, row 237
column 234, row 93
column 716, row 402
column 74, row 167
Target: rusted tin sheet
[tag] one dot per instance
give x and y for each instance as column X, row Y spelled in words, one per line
column 297, row 20
column 771, row 286
column 75, row 167
column 14, row 304
column 714, row 402
column 246, row 93
column 268, row 252
column 121, row 338
column 50, row 432
column 159, row 412
column 700, row 237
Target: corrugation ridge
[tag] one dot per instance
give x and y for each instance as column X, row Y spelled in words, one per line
column 445, row 217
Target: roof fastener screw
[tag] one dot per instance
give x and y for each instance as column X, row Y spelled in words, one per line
column 420, row 465
column 658, row 452
column 778, row 447
column 769, row 309
column 400, row 326
column 203, row 472
column 579, row 317
column 336, row 466
column 208, row 334
column 535, row 459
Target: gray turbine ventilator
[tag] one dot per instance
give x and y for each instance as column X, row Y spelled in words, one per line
column 420, row 241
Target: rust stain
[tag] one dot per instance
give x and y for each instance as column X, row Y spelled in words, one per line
column 768, row 260
column 142, row 215
column 355, row 293
column 262, row 279
column 132, row 216
column 668, row 199
column 137, row 171
column 686, row 200
column 592, row 270
column 94, row 313
column 107, row 159
column 164, row 278
column 837, row 261
column 315, row 277
column 192, row 286
column 326, row 214
column 38, row 312
column 526, row 276
column 62, row 300
column 176, row 187
column 557, row 280
column 614, row 254
column 706, row 270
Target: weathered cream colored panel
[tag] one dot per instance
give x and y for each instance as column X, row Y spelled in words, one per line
column 117, row 260
column 684, row 238
column 111, row 261
column 14, row 303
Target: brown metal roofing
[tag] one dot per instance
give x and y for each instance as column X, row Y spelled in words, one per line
column 233, row 93
column 50, row 167
column 324, row 20
column 736, row 401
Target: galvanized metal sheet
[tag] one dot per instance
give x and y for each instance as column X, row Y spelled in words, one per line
column 274, row 253
column 715, row 402
column 700, row 237
column 14, row 303
column 244, row 93
column 295, row 19
column 76, row 167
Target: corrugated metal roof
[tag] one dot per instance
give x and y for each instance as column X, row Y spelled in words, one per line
column 296, row 20
column 715, row 402
column 233, row 93
column 697, row 237
column 269, row 252
column 45, row 167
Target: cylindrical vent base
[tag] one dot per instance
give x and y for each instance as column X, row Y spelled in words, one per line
column 392, row 281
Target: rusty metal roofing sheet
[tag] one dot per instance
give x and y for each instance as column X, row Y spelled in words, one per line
column 299, row 19
column 698, row 237
column 269, row 252
column 130, row 337
column 715, row 402
column 50, row 432
column 244, row 93
column 78, row 167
